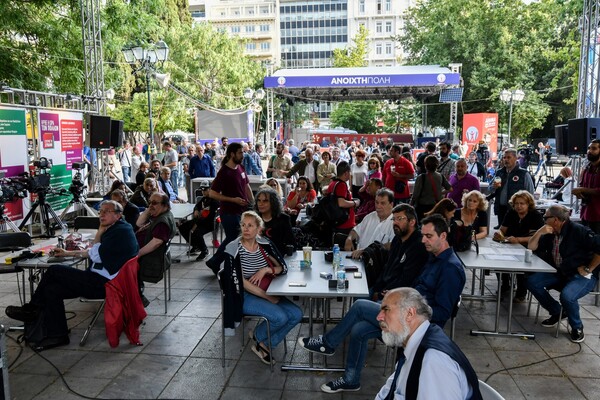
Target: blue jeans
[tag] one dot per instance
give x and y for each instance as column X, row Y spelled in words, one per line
column 126, row 174
column 361, row 323
column 174, row 178
column 231, row 226
column 283, row 317
column 571, row 289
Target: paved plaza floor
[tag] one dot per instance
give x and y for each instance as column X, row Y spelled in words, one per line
column 180, row 358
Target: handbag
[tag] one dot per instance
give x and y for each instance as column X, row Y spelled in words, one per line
column 266, row 280
column 328, row 211
column 461, row 236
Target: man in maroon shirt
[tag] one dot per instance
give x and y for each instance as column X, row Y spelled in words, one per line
column 396, row 173
column 462, row 182
column 589, row 188
column 232, row 189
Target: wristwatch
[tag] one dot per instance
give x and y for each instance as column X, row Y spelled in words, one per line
column 587, row 269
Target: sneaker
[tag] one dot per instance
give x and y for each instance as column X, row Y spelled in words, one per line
column 216, row 243
column 202, row 256
column 577, row 335
column 339, row 385
column 263, row 354
column 193, row 250
column 553, row 320
column 316, row 345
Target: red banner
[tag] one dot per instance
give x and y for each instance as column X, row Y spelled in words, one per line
column 481, row 127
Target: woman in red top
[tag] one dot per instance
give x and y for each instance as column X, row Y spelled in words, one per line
column 344, row 196
column 299, row 198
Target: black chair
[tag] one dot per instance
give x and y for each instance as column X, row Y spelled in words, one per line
column 85, row 222
column 9, row 242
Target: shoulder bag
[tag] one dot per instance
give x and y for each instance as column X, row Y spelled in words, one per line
column 327, row 210
column 266, row 280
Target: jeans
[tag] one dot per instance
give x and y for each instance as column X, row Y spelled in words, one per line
column 282, row 317
column 571, row 289
column 126, row 174
column 231, row 226
column 361, row 323
column 61, row 282
column 174, row 178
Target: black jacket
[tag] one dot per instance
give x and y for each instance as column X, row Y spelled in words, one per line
column 300, row 167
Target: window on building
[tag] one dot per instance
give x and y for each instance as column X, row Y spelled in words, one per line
column 388, row 5
column 388, row 27
column 388, row 48
column 235, row 29
column 378, row 27
column 378, row 48
column 378, row 6
column 265, row 46
column 265, row 28
column 361, row 6
column 250, row 46
column 264, row 10
column 250, row 28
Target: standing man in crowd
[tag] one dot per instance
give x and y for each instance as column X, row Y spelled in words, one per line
column 201, row 165
column 396, row 173
column 461, row 182
column 170, row 161
column 512, row 178
column 588, row 189
column 574, row 250
column 447, row 164
column 220, row 152
column 430, row 148
column 294, row 151
column 256, row 157
column 307, row 167
column 124, row 156
column 431, row 365
column 232, row 189
column 248, row 163
column 279, row 165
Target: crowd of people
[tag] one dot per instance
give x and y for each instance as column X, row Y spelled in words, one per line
column 417, row 230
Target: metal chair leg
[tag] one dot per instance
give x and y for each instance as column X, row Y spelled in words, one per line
column 91, row 325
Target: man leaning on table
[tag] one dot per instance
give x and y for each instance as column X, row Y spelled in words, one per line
column 440, row 283
column 573, row 250
column 376, row 226
column 430, row 365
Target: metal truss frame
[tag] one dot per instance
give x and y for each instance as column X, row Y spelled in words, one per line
column 588, row 99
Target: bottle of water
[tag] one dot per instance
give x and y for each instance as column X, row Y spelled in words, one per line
column 341, row 281
column 337, row 258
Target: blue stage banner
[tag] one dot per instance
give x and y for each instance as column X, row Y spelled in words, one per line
column 429, row 79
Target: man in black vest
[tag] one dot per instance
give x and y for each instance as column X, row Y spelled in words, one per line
column 438, row 368
column 509, row 180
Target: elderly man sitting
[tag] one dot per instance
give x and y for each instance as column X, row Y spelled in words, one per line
column 113, row 245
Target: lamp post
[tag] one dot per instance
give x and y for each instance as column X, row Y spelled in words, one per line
column 146, row 58
column 254, row 97
column 510, row 97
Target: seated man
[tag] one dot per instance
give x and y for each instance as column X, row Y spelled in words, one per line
column 432, row 366
column 131, row 212
column 377, row 226
column 203, row 221
column 366, row 195
column 441, row 282
column 574, row 250
column 164, row 182
column 156, row 227
column 113, row 245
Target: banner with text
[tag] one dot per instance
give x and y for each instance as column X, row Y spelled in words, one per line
column 481, row 127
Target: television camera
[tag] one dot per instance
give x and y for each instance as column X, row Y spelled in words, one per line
column 78, row 188
column 527, row 151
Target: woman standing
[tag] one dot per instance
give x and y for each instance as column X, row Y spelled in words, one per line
column 325, row 170
column 473, row 213
column 374, row 170
column 358, row 173
column 299, row 198
column 254, row 258
column 519, row 224
column 277, row 224
column 430, row 187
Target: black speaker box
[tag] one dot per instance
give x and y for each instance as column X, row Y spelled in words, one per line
column 561, row 133
column 581, row 132
column 116, row 133
column 99, row 130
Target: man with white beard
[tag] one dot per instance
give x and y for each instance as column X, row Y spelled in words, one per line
column 430, row 365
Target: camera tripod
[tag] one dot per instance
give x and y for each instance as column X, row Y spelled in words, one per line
column 46, row 211
column 78, row 202
column 5, row 222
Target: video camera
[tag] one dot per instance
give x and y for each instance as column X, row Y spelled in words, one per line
column 527, row 151
column 16, row 187
column 78, row 187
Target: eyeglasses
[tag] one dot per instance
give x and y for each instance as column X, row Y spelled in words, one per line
column 546, row 217
column 154, row 203
column 106, row 211
column 399, row 218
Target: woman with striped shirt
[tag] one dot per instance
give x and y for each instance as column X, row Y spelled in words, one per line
column 254, row 257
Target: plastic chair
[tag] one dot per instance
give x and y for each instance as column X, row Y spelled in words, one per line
column 255, row 317
column 488, row 392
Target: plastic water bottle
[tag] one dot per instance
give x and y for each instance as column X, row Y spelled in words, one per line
column 341, row 281
column 337, row 258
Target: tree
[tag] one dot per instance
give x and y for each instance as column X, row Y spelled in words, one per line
column 353, row 56
column 357, row 115
column 504, row 44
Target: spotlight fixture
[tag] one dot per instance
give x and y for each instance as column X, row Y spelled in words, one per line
column 303, row 93
column 344, row 92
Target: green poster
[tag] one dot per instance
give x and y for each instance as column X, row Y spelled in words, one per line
column 60, row 178
column 12, row 122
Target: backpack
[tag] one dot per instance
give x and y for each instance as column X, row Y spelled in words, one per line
column 327, row 210
column 374, row 258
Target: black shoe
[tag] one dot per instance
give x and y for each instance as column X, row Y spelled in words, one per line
column 145, row 301
column 497, row 226
column 193, row 250
column 49, row 343
column 577, row 335
column 27, row 313
column 553, row 320
column 202, row 256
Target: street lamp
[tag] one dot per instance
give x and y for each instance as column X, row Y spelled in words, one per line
column 510, row 97
column 146, row 58
column 254, row 97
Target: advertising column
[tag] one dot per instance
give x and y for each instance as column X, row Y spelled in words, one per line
column 481, row 128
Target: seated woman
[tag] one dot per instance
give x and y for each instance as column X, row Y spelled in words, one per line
column 203, row 222
column 446, row 208
column 519, row 224
column 473, row 213
column 277, row 224
column 117, row 184
column 130, row 211
column 299, row 198
column 274, row 184
column 141, row 196
column 563, row 177
column 253, row 258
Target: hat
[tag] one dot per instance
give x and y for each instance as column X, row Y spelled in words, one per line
column 204, row 184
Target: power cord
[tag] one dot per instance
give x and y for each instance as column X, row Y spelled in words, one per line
column 533, row 363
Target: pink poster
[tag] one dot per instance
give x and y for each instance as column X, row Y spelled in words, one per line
column 48, row 140
column 71, row 133
column 49, row 124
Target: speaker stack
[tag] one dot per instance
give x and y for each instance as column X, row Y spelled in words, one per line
column 116, row 133
column 100, row 127
column 581, row 131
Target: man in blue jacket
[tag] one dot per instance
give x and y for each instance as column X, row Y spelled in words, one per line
column 440, row 283
column 201, row 165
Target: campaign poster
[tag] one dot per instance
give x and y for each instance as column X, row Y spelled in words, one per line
column 13, row 159
column 481, row 127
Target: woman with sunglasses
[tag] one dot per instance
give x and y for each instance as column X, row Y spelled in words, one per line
column 274, row 184
column 142, row 193
column 374, row 168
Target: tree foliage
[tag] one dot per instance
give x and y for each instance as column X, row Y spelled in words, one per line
column 355, row 55
column 502, row 44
